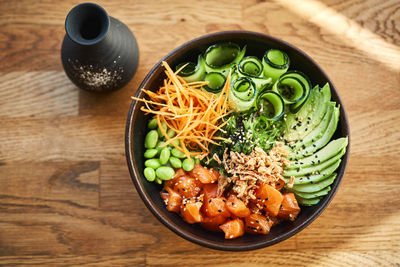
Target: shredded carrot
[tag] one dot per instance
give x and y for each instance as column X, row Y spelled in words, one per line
column 196, row 116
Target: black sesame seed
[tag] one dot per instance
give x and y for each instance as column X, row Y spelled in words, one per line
column 314, row 145
column 266, row 199
column 257, row 221
column 281, row 208
column 184, row 190
column 219, row 210
column 303, row 147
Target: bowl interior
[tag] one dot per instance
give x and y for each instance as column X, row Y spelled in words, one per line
column 256, row 44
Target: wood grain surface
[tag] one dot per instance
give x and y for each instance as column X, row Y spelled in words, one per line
column 66, row 198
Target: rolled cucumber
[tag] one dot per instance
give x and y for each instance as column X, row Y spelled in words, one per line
column 192, row 72
column 242, row 94
column 222, row 57
column 275, row 63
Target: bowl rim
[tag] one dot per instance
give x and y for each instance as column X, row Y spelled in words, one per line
column 133, row 110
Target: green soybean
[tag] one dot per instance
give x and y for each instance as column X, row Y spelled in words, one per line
column 159, row 146
column 152, row 163
column 151, row 139
column 164, row 126
column 175, row 162
column 177, row 153
column 150, row 153
column 165, row 173
column 171, row 133
column 175, row 141
column 150, row 174
column 158, row 180
column 188, row 164
column 164, row 155
column 152, row 124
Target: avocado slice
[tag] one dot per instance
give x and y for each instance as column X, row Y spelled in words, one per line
column 321, row 142
column 328, row 151
column 316, row 133
column 302, row 126
column 308, row 202
column 314, row 178
column 319, row 193
column 315, row 187
column 292, row 120
column 318, row 167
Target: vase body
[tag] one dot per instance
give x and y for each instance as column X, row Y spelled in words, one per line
column 99, row 53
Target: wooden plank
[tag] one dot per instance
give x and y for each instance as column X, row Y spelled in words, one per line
column 77, row 182
column 23, row 94
column 131, row 259
column 58, row 227
column 132, row 12
column 83, row 138
column 265, row 257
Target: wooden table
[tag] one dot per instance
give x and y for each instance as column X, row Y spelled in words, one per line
column 65, row 192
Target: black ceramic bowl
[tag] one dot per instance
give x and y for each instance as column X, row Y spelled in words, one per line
column 136, row 129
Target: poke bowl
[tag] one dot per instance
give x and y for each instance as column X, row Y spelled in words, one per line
column 310, row 185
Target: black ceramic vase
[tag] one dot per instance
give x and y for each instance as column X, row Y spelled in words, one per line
column 99, row 53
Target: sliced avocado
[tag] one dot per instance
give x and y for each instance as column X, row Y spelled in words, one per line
column 292, row 119
column 306, row 125
column 328, row 151
column 318, row 167
column 308, row 202
column 315, row 187
column 321, row 142
column 316, row 133
column 326, row 92
column 319, row 193
column 314, row 178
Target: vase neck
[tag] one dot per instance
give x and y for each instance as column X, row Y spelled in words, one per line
column 87, row 24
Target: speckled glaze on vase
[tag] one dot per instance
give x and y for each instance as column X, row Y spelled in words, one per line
column 99, row 53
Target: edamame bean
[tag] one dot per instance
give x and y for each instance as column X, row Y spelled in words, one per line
column 151, row 139
column 188, row 164
column 159, row 146
column 164, row 155
column 175, row 141
column 165, row 173
column 152, row 163
column 150, row 153
column 171, row 133
column 175, row 162
column 158, row 181
column 164, row 126
column 150, row 174
column 177, row 153
column 152, row 124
